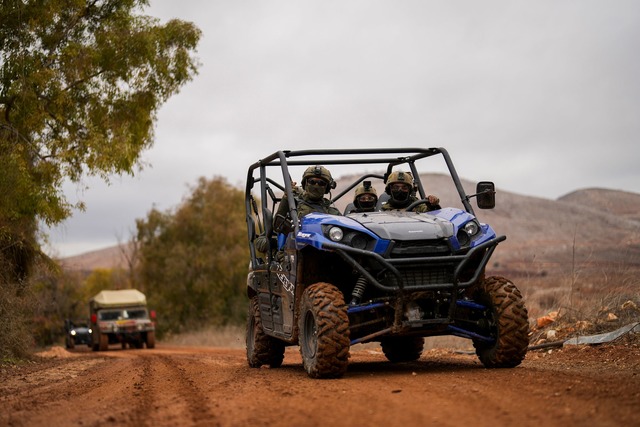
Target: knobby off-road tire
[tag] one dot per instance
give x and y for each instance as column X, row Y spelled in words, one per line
column 402, row 349
column 508, row 323
column 323, row 327
column 262, row 349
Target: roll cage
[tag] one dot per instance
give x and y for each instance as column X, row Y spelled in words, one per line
column 388, row 157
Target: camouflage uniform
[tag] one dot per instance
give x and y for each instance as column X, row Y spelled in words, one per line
column 306, row 205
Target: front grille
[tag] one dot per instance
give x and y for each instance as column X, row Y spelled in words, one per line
column 419, row 248
column 418, row 276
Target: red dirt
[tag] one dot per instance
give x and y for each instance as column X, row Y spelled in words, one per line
column 200, row 386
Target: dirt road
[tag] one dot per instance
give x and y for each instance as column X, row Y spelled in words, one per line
column 191, row 386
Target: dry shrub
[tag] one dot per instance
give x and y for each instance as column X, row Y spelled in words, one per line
column 16, row 308
column 602, row 313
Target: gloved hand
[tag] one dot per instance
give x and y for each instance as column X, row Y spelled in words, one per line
column 433, row 200
column 261, row 243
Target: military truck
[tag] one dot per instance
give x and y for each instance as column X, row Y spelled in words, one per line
column 328, row 282
column 121, row 317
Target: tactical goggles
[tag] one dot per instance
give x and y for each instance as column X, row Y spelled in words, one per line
column 316, row 181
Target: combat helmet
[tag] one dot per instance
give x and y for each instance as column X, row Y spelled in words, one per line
column 399, row 177
column 365, row 188
column 318, row 172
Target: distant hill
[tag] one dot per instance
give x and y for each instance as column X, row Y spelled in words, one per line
column 108, row 258
column 618, row 202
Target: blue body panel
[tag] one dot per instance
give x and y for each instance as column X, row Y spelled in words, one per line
column 311, row 229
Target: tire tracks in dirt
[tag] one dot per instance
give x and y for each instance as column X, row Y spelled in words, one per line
column 168, row 394
column 200, row 386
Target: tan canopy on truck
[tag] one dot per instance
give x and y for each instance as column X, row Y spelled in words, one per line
column 119, row 298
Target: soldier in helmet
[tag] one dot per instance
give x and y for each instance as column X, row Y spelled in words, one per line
column 365, row 198
column 316, row 182
column 400, row 186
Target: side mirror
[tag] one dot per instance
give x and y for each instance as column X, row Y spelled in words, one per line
column 486, row 194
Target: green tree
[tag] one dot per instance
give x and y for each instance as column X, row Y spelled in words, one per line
column 80, row 84
column 193, row 263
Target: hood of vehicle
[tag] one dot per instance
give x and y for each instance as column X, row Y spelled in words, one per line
column 401, row 225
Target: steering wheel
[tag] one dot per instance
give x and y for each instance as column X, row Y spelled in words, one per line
column 417, row 203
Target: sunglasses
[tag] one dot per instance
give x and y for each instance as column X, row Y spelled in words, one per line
column 315, row 181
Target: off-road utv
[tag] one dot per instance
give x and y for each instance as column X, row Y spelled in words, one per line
column 77, row 332
column 327, row 282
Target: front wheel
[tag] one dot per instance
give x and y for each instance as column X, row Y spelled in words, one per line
column 506, row 321
column 262, row 349
column 323, row 326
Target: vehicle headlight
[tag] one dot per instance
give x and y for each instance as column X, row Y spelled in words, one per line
column 73, row 332
column 471, row 228
column 336, row 234
column 90, row 331
column 346, row 236
column 468, row 232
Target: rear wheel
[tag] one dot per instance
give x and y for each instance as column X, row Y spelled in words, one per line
column 262, row 349
column 324, row 331
column 402, row 349
column 506, row 321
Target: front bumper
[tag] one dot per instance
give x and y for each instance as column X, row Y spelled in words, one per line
column 459, row 271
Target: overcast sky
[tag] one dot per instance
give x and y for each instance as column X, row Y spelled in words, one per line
column 542, row 97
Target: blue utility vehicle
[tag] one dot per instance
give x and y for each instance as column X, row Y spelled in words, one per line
column 328, row 282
